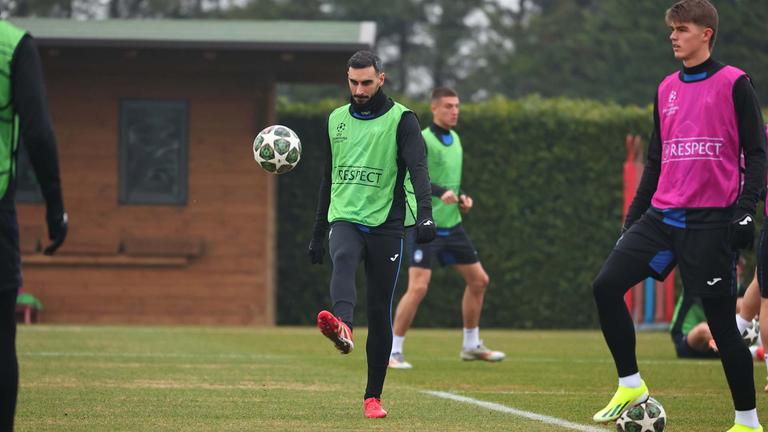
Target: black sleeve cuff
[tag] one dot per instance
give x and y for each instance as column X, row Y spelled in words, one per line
column 438, row 191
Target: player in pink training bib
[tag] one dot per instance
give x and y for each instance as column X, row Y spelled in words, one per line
column 694, row 208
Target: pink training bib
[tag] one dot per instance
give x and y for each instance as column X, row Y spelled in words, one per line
column 700, row 153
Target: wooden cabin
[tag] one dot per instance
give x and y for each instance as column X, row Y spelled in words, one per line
column 171, row 220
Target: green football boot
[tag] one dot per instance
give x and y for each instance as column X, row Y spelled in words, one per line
column 624, row 398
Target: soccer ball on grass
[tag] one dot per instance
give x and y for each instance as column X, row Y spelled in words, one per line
column 648, row 416
column 277, row 149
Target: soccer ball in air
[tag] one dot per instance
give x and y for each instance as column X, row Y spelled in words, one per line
column 277, row 149
column 751, row 333
column 648, row 416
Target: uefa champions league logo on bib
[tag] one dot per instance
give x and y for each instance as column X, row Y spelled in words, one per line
column 672, row 106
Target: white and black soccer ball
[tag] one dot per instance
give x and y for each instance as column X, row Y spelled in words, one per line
column 751, row 333
column 648, row 416
column 277, row 149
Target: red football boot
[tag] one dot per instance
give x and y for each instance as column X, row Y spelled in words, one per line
column 372, row 408
column 335, row 330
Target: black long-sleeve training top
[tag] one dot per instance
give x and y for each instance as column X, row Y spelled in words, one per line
column 749, row 120
column 36, row 130
column 411, row 156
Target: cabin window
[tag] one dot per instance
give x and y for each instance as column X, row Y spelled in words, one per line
column 153, row 152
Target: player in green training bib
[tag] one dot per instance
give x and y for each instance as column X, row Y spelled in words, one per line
column 371, row 142
column 24, row 120
column 452, row 246
column 689, row 329
column 690, row 332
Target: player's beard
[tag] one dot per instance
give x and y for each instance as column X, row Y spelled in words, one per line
column 365, row 98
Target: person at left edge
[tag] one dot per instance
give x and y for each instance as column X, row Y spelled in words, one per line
column 371, row 143
column 24, row 120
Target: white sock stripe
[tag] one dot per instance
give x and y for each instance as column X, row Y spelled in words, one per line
column 471, row 338
column 631, row 381
column 741, row 323
column 747, row 418
column 397, row 343
column 514, row 411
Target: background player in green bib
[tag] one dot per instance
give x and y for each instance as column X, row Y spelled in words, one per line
column 452, row 245
column 372, row 142
column 690, row 332
column 24, row 120
column 689, row 329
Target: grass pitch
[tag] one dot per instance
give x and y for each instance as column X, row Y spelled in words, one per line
column 292, row 379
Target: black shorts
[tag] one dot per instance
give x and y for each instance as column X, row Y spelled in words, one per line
column 10, row 259
column 684, row 350
column 451, row 246
column 704, row 256
column 762, row 256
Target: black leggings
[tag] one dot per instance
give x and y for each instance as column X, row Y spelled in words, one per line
column 382, row 255
column 9, row 367
column 619, row 273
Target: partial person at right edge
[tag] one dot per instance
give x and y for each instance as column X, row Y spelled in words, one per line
column 694, row 208
column 762, row 274
column 24, row 120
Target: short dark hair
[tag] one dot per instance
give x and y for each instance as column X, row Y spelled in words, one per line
column 441, row 92
column 363, row 59
column 699, row 12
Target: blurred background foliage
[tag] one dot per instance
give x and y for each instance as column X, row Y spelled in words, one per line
column 609, row 50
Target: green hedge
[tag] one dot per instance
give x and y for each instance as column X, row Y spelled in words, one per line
column 546, row 178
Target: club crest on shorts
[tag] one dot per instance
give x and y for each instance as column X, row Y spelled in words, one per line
column 418, row 255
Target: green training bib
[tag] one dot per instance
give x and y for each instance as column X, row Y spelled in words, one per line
column 445, row 164
column 364, row 165
column 10, row 37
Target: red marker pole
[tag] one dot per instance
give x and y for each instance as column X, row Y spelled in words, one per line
column 630, row 186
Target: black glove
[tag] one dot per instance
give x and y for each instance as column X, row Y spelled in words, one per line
column 425, row 231
column 742, row 230
column 316, row 250
column 57, row 231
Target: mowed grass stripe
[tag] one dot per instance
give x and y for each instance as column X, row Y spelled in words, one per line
column 450, row 359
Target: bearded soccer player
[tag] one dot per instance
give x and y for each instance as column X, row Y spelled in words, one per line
column 691, row 208
column 452, row 246
column 371, row 143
